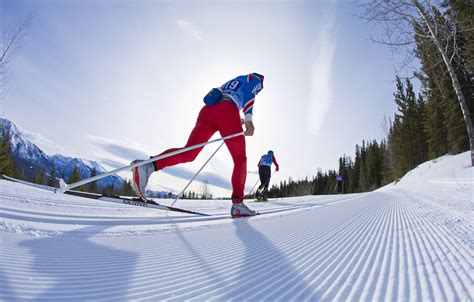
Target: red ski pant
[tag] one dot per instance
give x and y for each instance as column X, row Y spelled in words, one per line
column 225, row 118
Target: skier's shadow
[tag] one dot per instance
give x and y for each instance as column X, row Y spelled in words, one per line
column 80, row 268
column 263, row 261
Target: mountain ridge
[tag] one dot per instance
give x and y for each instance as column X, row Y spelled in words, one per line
column 29, row 157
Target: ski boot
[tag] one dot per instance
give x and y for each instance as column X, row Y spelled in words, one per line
column 141, row 174
column 241, row 210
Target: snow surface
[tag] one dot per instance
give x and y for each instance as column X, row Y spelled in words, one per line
column 412, row 240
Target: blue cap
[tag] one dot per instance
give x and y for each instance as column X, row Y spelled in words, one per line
column 259, row 76
column 257, row 80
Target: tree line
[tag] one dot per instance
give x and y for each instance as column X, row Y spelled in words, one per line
column 426, row 125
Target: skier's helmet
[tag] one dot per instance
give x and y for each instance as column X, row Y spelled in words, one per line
column 258, row 80
column 270, row 152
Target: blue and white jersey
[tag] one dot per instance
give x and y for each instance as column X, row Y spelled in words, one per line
column 242, row 91
column 266, row 160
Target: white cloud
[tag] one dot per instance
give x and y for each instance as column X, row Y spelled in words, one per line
column 115, row 152
column 321, row 91
column 45, row 144
column 190, row 29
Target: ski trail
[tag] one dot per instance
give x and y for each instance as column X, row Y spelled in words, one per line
column 396, row 244
column 441, row 247
column 352, row 290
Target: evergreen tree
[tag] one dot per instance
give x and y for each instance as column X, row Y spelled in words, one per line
column 386, row 164
column 434, row 126
column 363, row 169
column 93, row 185
column 373, row 165
column 39, row 176
column 355, row 174
column 127, row 188
column 407, row 140
column 52, row 177
column 108, row 190
column 444, row 121
column 21, row 174
column 75, row 177
column 6, row 162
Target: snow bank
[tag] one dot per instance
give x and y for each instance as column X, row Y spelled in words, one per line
column 448, row 167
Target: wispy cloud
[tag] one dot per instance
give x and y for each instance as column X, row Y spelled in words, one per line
column 122, row 151
column 321, row 96
column 47, row 145
column 191, row 29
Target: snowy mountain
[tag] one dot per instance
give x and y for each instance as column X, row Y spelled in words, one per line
column 22, row 148
column 29, row 157
column 408, row 241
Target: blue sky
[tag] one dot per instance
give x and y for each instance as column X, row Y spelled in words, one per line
column 117, row 80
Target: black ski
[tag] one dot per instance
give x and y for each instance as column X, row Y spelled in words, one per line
column 132, row 201
column 112, row 198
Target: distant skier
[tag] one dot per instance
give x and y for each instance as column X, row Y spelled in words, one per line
column 264, row 171
column 339, row 183
column 221, row 113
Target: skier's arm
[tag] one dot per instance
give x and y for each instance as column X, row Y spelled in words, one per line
column 248, row 110
column 277, row 167
column 249, row 128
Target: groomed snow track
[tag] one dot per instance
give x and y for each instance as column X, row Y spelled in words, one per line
column 397, row 244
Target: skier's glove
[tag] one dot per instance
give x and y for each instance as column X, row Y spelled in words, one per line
column 249, row 128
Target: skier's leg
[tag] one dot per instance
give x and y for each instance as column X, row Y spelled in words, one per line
column 267, row 185
column 203, row 130
column 229, row 123
column 236, row 148
column 261, row 175
column 201, row 133
column 266, row 180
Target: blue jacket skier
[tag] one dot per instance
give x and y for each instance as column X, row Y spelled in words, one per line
column 264, row 171
column 339, row 183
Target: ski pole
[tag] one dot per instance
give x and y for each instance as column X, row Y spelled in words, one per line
column 63, row 187
column 250, row 193
column 195, row 175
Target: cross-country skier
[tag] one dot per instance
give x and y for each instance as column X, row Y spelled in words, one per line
column 339, row 183
column 264, row 171
column 221, row 113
